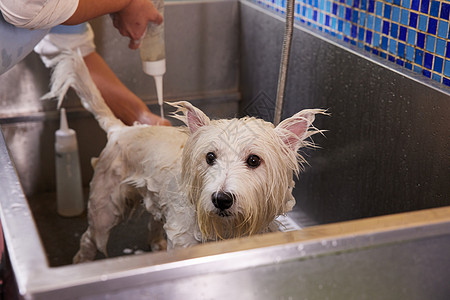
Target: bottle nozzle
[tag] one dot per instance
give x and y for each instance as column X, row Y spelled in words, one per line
column 63, row 121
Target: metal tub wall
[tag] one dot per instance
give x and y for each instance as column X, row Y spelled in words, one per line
column 400, row 256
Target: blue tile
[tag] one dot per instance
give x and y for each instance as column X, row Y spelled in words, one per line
column 401, row 50
column 361, row 34
column 362, row 19
column 394, row 30
column 397, row 2
column 426, row 73
column 395, row 14
column 349, row 2
column 399, row 62
column 404, row 17
column 387, row 11
column 417, row 69
column 447, row 68
column 423, row 22
column 370, row 21
column 391, row 58
column 431, row 43
column 379, row 9
column 375, row 51
column 386, row 27
column 371, row 8
column 347, row 28
column 384, row 43
column 369, row 37
column 402, row 34
column 434, row 8
column 328, row 6
column 393, row 46
column 425, row 5
column 418, row 57
column 440, row 47
column 340, row 25
column 447, row 52
column 335, row 8
column 341, row 12
column 363, row 4
column 408, row 65
column 445, row 11
column 409, row 53
column 420, row 40
column 383, row 54
column 378, row 24
column 432, row 26
column 354, row 31
column 438, row 63
column 446, row 81
column 333, row 23
column 415, row 4
column 413, row 19
column 437, row 77
column 355, row 16
column 406, row 3
column 376, row 40
column 411, row 36
column 443, row 29
column 356, row 3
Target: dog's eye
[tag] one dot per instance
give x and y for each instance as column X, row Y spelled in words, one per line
column 210, row 158
column 253, row 161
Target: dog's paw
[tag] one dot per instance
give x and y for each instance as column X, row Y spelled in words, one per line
column 160, row 245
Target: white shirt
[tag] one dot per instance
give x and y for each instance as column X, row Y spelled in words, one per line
column 37, row 14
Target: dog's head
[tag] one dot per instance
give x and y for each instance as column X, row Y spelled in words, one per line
column 239, row 173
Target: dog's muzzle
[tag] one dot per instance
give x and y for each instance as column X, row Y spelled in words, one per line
column 222, row 200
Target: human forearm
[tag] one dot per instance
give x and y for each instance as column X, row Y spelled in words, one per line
column 124, row 103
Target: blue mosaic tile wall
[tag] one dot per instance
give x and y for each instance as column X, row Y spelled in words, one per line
column 411, row 33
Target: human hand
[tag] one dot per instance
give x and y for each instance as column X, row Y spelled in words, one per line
column 133, row 19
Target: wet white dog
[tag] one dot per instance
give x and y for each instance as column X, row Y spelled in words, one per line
column 210, row 180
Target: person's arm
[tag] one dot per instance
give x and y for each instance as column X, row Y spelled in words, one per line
column 130, row 16
column 124, row 103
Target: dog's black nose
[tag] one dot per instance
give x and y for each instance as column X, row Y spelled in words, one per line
column 222, row 200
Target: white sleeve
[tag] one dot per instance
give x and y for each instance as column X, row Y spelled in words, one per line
column 53, row 43
column 37, row 14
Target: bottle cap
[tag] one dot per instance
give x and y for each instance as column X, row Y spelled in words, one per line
column 154, row 68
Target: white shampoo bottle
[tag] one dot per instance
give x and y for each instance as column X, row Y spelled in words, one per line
column 69, row 189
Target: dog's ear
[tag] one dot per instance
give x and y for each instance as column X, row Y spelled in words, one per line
column 193, row 117
column 294, row 130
